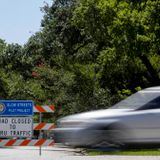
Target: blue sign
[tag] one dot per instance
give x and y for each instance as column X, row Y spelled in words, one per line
column 16, row 108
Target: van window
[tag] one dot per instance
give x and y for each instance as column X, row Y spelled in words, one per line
column 142, row 99
column 154, row 104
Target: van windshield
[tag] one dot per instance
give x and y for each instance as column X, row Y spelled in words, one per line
column 137, row 100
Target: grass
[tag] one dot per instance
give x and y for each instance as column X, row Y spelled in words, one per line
column 145, row 152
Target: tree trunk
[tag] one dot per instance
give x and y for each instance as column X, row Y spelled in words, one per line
column 151, row 70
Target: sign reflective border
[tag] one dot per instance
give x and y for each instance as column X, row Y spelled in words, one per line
column 16, row 108
column 16, row 126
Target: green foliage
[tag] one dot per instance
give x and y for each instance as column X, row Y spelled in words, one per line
column 124, row 93
column 88, row 55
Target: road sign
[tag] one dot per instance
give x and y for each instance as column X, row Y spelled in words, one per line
column 16, row 108
column 16, row 126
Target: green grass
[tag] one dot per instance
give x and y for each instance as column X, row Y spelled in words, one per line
column 146, row 152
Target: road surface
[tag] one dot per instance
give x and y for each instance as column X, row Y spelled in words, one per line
column 57, row 153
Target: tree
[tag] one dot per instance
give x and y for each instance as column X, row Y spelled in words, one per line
column 121, row 30
column 89, row 54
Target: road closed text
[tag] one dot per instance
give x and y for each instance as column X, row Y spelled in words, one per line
column 16, row 126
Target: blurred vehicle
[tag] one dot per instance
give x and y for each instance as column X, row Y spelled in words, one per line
column 135, row 120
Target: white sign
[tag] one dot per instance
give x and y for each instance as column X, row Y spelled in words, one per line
column 16, row 126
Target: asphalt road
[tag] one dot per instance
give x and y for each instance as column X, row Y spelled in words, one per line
column 56, row 153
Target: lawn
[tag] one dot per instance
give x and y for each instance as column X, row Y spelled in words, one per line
column 149, row 152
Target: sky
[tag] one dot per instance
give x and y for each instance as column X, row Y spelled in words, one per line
column 19, row 19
